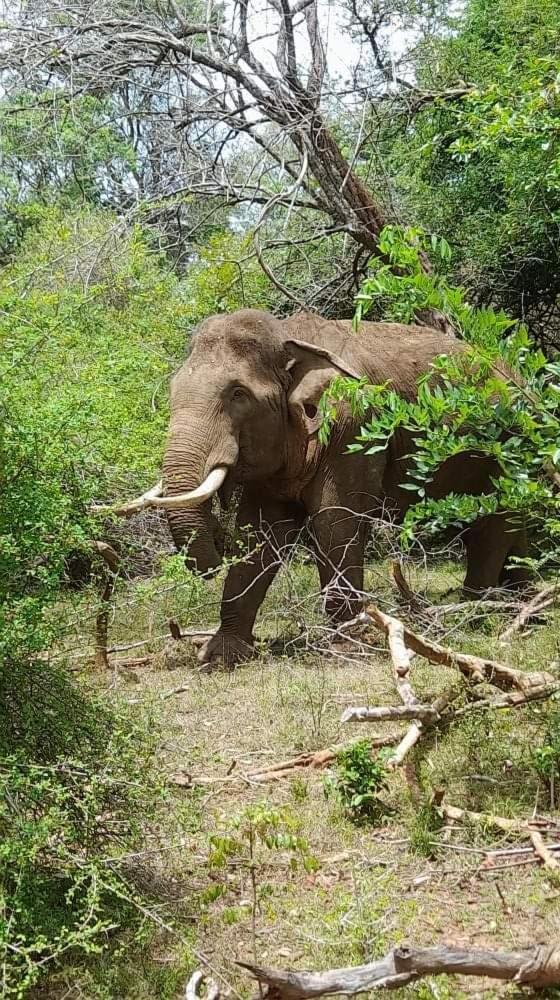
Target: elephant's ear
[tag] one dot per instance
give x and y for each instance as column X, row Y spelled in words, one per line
column 312, row 369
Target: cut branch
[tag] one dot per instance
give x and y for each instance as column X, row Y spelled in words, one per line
column 476, row 668
column 544, row 853
column 383, row 712
column 515, row 699
column 418, row 728
column 504, row 823
column 313, row 761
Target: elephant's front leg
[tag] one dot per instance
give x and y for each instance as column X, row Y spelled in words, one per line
column 266, row 527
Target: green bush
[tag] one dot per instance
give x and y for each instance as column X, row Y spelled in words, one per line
column 359, row 776
column 485, row 168
column 75, row 796
column 88, row 327
column 500, row 398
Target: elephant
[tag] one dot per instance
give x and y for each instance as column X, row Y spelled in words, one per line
column 245, row 415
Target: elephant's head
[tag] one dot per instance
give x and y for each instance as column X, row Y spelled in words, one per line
column 243, row 407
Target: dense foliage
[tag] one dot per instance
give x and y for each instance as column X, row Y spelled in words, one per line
column 130, row 198
column 484, row 168
column 92, row 321
column 499, row 398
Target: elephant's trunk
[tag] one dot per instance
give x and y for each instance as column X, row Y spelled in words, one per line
column 189, row 459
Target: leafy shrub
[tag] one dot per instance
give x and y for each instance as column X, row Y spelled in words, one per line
column 359, row 776
column 78, row 783
column 546, row 757
column 500, row 398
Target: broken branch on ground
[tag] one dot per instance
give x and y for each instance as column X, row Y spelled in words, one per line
column 537, row 967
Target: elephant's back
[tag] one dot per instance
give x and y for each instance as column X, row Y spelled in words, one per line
column 401, row 353
column 393, row 352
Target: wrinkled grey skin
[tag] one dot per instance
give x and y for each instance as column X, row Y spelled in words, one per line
column 246, row 398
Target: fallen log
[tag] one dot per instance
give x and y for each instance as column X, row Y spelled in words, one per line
column 537, row 967
column 131, row 661
column 476, row 668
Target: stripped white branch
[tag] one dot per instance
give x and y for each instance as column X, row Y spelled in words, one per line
column 383, row 712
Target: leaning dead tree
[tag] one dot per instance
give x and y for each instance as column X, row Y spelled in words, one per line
column 243, row 72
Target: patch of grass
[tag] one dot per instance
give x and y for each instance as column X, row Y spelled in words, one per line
column 423, row 829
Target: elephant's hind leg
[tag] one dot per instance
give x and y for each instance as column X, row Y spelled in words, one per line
column 513, row 576
column 490, row 543
column 339, row 503
column 339, row 537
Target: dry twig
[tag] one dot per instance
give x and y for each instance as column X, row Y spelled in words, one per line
column 538, row 603
column 111, row 561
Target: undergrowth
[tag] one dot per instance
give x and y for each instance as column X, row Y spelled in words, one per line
column 79, row 790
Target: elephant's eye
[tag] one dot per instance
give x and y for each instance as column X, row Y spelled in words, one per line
column 238, row 392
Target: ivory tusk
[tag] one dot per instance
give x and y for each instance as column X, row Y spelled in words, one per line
column 153, row 498
column 202, row 493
